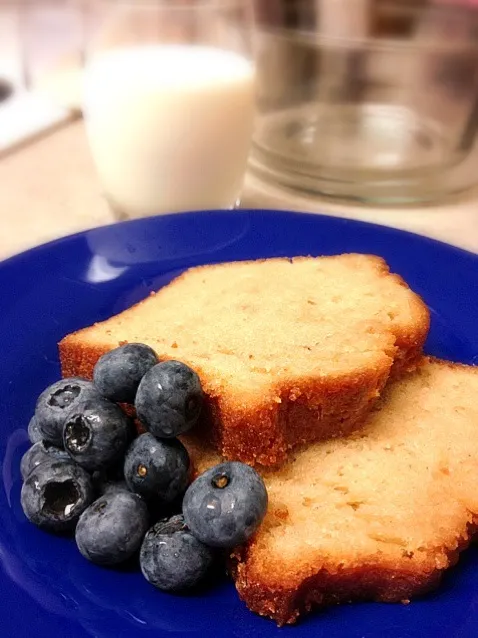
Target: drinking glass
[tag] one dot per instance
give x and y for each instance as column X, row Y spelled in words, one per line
column 374, row 101
column 169, row 103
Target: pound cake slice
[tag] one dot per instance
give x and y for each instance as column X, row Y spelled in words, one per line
column 289, row 351
column 376, row 516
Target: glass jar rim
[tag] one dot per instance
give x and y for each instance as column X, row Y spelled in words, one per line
column 420, row 44
column 184, row 5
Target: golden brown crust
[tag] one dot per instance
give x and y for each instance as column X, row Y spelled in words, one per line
column 308, row 412
column 264, row 429
column 372, row 581
column 77, row 359
column 297, row 419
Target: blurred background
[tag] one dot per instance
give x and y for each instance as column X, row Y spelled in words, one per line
column 359, row 102
column 41, row 53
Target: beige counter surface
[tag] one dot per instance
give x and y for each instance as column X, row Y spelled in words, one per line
column 49, row 189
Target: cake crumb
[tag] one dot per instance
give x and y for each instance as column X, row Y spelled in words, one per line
column 281, row 512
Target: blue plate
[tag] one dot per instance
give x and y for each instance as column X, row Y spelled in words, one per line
column 46, row 588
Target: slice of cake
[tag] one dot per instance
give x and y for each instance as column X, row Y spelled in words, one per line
column 378, row 515
column 288, row 351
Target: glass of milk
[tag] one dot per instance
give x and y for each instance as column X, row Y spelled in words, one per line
column 168, row 100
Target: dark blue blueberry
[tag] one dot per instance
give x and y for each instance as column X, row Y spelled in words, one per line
column 55, row 404
column 111, row 530
column 107, row 477
column 171, row 558
column 224, row 506
column 96, row 433
column 34, row 433
column 157, row 469
column 114, row 486
column 55, row 494
column 39, row 453
column 118, row 372
column 169, row 399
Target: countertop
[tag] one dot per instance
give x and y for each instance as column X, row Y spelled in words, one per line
column 49, row 189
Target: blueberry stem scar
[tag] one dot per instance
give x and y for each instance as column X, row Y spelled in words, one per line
column 220, row 481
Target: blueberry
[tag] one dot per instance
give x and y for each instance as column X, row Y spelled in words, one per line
column 118, row 372
column 55, row 494
column 34, row 433
column 114, row 486
column 171, row 558
column 97, row 433
column 40, row 453
column 169, row 399
column 55, row 404
column 157, row 469
column 224, row 506
column 111, row 530
column 103, row 479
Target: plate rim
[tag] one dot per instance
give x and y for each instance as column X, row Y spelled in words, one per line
column 321, row 217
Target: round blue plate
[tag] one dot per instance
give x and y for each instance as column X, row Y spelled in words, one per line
column 46, row 588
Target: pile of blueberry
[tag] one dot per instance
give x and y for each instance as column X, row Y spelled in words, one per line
column 90, row 472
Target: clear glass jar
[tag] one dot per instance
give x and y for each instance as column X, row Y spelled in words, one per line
column 367, row 100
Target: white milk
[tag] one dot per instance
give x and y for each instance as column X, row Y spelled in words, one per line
column 169, row 126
